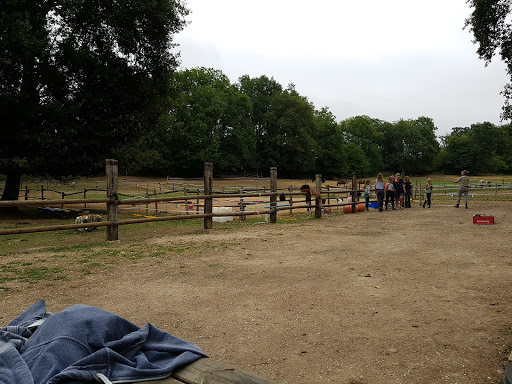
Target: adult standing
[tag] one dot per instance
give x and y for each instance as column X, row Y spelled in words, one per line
column 464, row 188
column 408, row 191
column 399, row 187
column 379, row 190
column 428, row 192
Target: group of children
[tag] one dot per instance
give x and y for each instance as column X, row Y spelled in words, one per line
column 396, row 190
column 399, row 191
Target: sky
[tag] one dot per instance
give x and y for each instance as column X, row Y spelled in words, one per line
column 390, row 60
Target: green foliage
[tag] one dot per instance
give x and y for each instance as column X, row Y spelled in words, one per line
column 331, row 159
column 420, row 146
column 210, row 122
column 368, row 134
column 480, row 148
column 288, row 142
column 408, row 145
column 261, row 91
column 356, row 159
column 83, row 81
column 490, row 24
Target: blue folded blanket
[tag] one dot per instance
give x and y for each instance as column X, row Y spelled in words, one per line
column 86, row 344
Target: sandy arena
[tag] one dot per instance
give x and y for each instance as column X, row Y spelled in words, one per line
column 407, row 296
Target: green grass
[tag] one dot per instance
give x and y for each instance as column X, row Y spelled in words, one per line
column 25, row 272
column 77, row 260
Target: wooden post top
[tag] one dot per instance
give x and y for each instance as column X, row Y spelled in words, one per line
column 208, row 371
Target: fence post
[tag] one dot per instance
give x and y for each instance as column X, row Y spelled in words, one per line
column 273, row 199
column 42, row 192
column 354, row 193
column 26, row 192
column 147, row 197
column 85, row 197
column 111, row 170
column 208, row 190
column 156, row 202
column 242, row 204
column 318, row 200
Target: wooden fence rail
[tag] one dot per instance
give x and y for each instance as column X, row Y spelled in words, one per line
column 113, row 202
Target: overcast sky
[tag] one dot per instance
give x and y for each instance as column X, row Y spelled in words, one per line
column 391, row 60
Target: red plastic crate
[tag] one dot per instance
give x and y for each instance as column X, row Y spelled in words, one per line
column 483, row 219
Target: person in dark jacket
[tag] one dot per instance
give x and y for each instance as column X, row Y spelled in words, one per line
column 399, row 187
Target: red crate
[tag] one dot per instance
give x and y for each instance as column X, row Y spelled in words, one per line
column 483, row 219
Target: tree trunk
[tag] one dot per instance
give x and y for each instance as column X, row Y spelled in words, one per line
column 11, row 191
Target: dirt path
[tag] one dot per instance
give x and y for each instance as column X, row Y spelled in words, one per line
column 411, row 296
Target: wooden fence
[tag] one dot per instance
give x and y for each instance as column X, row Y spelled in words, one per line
column 113, row 203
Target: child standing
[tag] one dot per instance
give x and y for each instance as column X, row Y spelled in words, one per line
column 408, row 192
column 428, row 192
column 390, row 192
column 367, row 189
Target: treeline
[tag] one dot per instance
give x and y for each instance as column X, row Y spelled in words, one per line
column 256, row 123
column 480, row 148
column 80, row 84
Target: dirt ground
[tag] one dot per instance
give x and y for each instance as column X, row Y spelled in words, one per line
column 406, row 296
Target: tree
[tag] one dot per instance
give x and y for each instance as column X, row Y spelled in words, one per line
column 486, row 141
column 480, row 148
column 210, row 122
column 505, row 149
column 82, row 81
column 288, row 142
column 490, row 24
column 357, row 162
column 392, row 147
column 420, row 146
column 366, row 133
column 260, row 90
column 331, row 160
column 461, row 151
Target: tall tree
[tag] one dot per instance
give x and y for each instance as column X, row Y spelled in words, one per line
column 490, row 24
column 357, row 162
column 211, row 122
column 505, row 149
column 331, row 159
column 480, row 148
column 261, row 91
column 366, row 133
column 82, row 81
column 420, row 146
column 461, row 151
column 289, row 140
